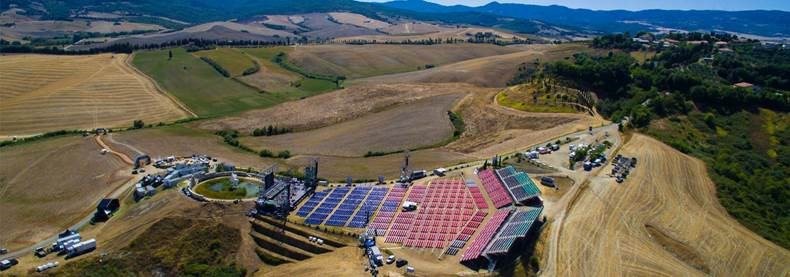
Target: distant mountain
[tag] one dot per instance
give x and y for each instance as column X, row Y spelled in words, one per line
column 758, row 22
column 202, row 11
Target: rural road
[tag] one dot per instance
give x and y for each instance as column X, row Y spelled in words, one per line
column 117, row 193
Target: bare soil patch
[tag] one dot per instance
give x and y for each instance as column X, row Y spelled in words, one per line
column 49, row 185
column 491, row 71
column 358, row 61
column 332, row 108
column 408, row 126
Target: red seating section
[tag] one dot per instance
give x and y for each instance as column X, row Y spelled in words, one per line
column 478, row 245
column 445, row 208
column 495, row 188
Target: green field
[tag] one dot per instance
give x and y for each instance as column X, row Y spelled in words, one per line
column 521, row 98
column 231, row 59
column 208, row 93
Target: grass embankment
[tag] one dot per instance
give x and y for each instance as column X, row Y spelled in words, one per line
column 745, row 160
column 199, row 86
column 302, row 86
column 232, row 60
column 226, row 191
column 210, row 94
column 173, row 246
column 527, row 98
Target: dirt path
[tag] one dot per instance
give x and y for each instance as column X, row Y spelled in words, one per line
column 664, row 220
column 124, row 158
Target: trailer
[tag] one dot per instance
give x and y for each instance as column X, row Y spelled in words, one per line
column 46, row 266
column 81, row 248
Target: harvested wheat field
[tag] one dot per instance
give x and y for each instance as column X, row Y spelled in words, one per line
column 333, row 107
column 462, row 33
column 46, row 186
column 420, row 124
column 414, row 28
column 43, row 93
column 664, row 220
column 359, row 61
column 491, row 71
column 358, row 20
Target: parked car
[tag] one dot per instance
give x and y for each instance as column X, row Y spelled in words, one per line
column 3, row 251
column 400, row 263
column 391, row 259
column 6, row 264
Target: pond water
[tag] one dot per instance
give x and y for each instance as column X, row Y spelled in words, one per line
column 222, row 186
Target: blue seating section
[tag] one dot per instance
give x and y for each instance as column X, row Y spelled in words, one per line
column 341, row 215
column 344, row 206
column 310, row 205
column 519, row 184
column 514, row 229
column 327, row 206
column 368, row 207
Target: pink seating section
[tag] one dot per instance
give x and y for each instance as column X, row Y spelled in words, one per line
column 389, row 207
column 495, row 188
column 488, row 232
column 403, row 221
column 445, row 209
column 477, row 196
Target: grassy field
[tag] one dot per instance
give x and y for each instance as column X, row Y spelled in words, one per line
column 230, row 59
column 274, row 78
column 42, row 93
column 642, row 56
column 527, row 98
column 665, row 219
column 198, row 85
column 359, row 61
column 205, row 91
column 48, row 185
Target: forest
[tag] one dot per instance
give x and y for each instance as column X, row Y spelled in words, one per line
column 686, row 96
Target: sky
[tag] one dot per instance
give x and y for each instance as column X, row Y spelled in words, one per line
column 729, row 5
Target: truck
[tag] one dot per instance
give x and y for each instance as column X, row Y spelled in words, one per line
column 418, row 174
column 375, row 254
column 81, row 248
column 409, row 206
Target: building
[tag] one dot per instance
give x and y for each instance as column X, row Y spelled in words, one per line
column 106, row 208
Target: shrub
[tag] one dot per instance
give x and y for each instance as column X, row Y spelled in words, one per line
column 266, row 153
column 138, row 124
column 284, row 154
column 216, row 66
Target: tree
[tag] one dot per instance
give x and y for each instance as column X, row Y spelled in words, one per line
column 338, row 80
column 284, row 154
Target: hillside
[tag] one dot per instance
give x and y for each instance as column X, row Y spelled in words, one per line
column 657, row 223
column 764, row 23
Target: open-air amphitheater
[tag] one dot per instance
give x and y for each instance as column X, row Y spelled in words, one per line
column 452, row 215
